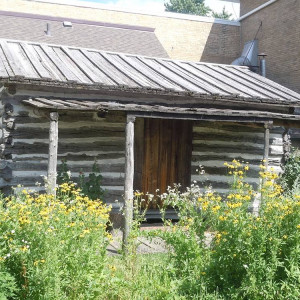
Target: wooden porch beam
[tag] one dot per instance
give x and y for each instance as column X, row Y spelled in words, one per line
column 129, row 175
column 52, row 156
column 203, row 117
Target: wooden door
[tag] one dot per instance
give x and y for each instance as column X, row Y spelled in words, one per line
column 167, row 151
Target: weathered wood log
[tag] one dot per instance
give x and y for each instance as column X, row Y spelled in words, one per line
column 52, row 158
column 83, row 132
column 267, row 126
column 40, row 148
column 129, row 174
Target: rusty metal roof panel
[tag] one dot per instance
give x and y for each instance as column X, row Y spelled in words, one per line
column 77, row 66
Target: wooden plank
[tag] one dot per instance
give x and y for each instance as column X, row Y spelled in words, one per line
column 5, row 70
column 223, row 78
column 205, row 76
column 38, row 147
column 237, row 78
column 52, row 159
column 31, row 180
column 178, row 80
column 154, row 174
column 69, row 133
column 272, row 83
column 155, row 77
column 100, row 74
column 12, row 59
column 138, row 153
column 189, row 77
column 59, row 64
column 46, row 62
column 202, row 117
column 275, row 92
column 147, row 157
column 185, row 158
column 216, row 148
column 160, row 111
column 227, row 136
column 118, row 77
column 92, row 73
column 71, row 65
column 134, row 74
column 127, row 71
column 32, row 56
column 129, row 176
column 24, row 63
column 85, row 167
column 267, row 126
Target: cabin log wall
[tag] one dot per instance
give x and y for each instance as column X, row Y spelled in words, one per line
column 84, row 136
column 215, row 143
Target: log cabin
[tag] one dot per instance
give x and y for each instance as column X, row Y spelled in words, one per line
column 150, row 122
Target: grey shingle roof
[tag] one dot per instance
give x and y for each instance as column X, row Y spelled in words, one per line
column 88, row 34
column 96, row 69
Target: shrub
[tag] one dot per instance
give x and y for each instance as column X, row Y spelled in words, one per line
column 90, row 186
column 291, row 176
column 249, row 257
column 54, row 248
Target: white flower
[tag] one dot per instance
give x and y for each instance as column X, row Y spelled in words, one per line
column 12, row 231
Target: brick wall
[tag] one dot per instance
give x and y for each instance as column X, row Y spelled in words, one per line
column 248, row 5
column 182, row 39
column 279, row 38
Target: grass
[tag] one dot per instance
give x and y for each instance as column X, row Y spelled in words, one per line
column 140, row 276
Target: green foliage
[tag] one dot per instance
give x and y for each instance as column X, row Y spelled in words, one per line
column 248, row 257
column 53, row 248
column 8, row 287
column 291, row 176
column 91, row 186
column 194, row 7
column 222, row 15
column 63, row 174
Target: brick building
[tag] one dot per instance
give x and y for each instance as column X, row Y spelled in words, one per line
column 182, row 36
column 274, row 23
column 277, row 25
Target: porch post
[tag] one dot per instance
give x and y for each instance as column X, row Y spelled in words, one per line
column 286, row 144
column 267, row 126
column 52, row 156
column 129, row 173
column 256, row 203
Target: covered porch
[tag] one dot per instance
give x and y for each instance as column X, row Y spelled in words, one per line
column 176, row 114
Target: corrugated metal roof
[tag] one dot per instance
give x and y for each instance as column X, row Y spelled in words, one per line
column 98, row 69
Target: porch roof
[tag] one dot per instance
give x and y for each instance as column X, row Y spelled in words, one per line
column 173, row 112
column 63, row 66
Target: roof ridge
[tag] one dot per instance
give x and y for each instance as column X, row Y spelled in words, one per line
column 123, row 53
